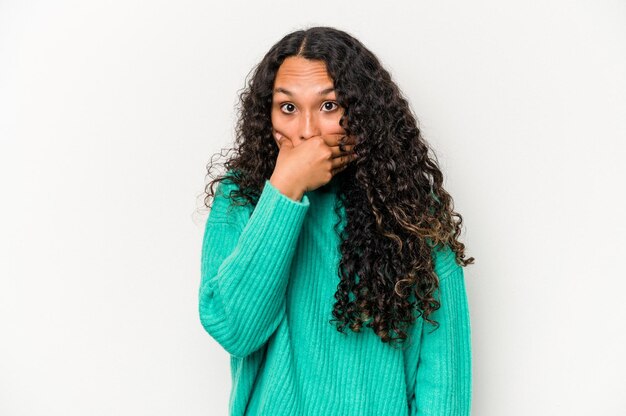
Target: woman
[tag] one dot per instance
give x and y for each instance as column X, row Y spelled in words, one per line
column 333, row 215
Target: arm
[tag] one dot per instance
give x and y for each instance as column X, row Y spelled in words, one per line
column 443, row 384
column 245, row 268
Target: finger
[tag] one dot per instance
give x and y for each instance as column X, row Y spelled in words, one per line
column 336, row 151
column 339, row 169
column 283, row 140
column 342, row 160
column 345, row 139
column 333, row 140
column 345, row 144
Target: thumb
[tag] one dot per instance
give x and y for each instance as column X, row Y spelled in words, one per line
column 283, row 141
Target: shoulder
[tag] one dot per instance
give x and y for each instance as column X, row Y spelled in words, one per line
column 225, row 187
column 223, row 208
column 444, row 259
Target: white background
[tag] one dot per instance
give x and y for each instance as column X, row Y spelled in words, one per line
column 110, row 110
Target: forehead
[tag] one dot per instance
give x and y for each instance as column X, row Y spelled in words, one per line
column 299, row 70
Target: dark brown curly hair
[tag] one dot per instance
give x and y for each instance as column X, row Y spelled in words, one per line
column 396, row 208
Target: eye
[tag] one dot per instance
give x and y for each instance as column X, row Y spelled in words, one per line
column 331, row 105
column 287, row 104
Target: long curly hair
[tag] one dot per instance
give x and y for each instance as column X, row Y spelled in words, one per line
column 396, row 208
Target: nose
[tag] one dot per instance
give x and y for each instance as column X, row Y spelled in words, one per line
column 309, row 126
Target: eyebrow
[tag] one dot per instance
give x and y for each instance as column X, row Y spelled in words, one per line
column 289, row 93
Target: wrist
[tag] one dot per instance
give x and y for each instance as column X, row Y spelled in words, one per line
column 287, row 188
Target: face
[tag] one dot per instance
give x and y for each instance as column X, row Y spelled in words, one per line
column 304, row 102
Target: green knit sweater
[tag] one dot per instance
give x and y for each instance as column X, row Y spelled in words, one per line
column 268, row 279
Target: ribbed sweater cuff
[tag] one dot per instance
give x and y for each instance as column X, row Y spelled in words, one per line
column 277, row 218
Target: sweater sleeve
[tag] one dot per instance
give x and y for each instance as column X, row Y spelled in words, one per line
column 245, row 268
column 443, row 385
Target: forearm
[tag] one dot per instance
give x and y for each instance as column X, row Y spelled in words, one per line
column 244, row 276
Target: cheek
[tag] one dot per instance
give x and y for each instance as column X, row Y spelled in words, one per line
column 331, row 125
column 278, row 120
column 275, row 124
